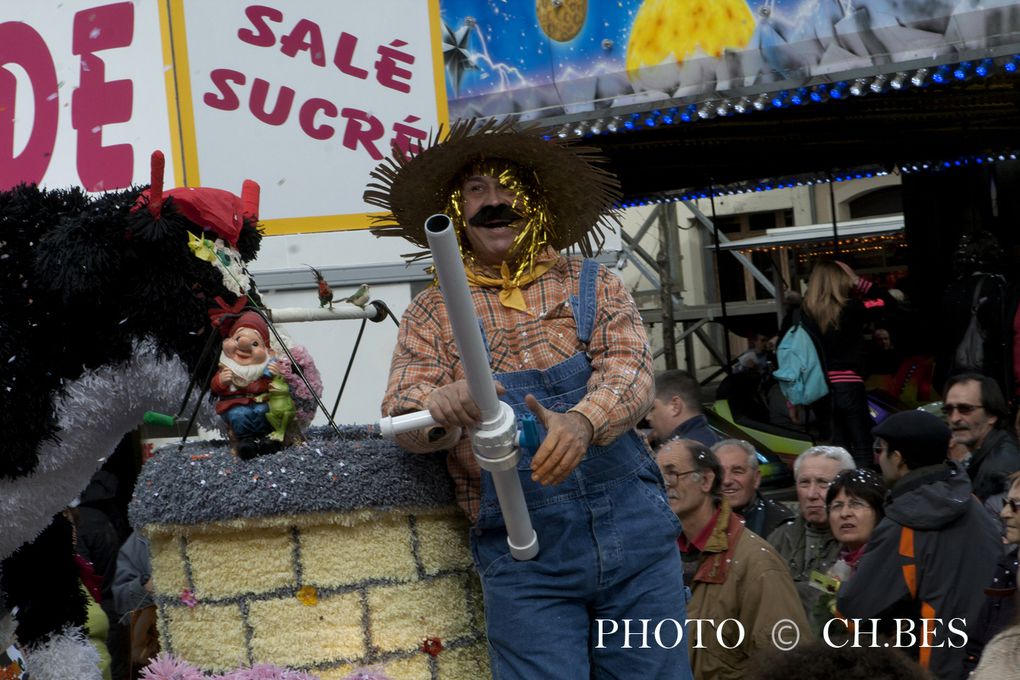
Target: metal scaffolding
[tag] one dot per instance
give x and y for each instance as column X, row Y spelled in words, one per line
column 663, row 273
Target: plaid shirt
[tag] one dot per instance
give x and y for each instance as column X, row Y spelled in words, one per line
column 619, row 390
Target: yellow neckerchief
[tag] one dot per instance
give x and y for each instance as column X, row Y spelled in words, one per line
column 510, row 295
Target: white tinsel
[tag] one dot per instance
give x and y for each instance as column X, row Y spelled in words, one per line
column 66, row 655
column 95, row 413
column 235, row 277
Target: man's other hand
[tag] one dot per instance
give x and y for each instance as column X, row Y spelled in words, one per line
column 567, row 439
column 452, row 405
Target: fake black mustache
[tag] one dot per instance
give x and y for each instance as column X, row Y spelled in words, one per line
column 494, row 213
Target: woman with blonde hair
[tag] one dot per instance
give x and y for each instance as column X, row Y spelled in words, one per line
column 834, row 306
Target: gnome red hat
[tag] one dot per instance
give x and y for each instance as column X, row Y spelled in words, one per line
column 253, row 321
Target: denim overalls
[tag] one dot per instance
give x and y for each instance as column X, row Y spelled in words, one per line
column 607, row 549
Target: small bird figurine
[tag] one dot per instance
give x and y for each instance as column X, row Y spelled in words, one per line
column 358, row 297
column 325, row 292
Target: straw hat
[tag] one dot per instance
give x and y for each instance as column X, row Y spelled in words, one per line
column 580, row 194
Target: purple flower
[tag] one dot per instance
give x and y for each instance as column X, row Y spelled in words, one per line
column 166, row 667
column 188, row 598
column 265, row 671
column 367, row 674
column 304, row 402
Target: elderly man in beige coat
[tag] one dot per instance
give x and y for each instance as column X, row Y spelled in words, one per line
column 732, row 572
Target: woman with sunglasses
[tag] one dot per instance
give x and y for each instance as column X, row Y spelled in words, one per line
column 1000, row 607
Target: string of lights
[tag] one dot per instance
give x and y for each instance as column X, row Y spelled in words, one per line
column 754, row 186
column 758, row 186
column 855, row 246
column 846, row 244
column 882, row 83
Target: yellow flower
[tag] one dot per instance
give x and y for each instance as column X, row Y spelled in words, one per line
column 202, row 248
column 308, row 595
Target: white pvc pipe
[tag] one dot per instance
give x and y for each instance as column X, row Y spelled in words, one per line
column 391, row 426
column 495, row 441
column 340, row 311
column 461, row 311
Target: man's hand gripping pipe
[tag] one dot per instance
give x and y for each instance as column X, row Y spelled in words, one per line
column 495, row 442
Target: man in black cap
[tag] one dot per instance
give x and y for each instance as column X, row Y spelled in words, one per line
column 931, row 556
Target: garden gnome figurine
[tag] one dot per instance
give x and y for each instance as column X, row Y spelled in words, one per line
column 243, row 385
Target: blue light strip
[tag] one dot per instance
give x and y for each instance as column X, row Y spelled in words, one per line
column 880, row 84
column 810, row 180
column 963, row 161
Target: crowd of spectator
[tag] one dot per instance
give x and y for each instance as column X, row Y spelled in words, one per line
column 897, row 558
column 902, row 552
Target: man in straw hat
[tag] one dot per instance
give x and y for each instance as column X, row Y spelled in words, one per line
column 566, row 343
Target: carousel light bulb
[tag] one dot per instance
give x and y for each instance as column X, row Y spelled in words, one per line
column 941, row 74
column 898, row 81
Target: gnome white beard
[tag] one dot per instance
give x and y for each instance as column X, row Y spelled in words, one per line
column 247, row 372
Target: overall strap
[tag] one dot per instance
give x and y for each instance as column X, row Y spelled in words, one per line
column 485, row 342
column 585, row 305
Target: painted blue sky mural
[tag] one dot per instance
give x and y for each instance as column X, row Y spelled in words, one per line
column 549, row 57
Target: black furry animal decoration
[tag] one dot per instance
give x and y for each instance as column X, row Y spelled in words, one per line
column 104, row 315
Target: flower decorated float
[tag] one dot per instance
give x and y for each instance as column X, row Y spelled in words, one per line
column 343, row 553
column 337, row 555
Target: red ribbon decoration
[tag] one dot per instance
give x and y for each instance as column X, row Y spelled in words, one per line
column 431, row 646
column 221, row 316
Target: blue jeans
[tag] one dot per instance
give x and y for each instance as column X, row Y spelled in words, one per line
column 607, row 548
column 248, row 420
column 610, row 554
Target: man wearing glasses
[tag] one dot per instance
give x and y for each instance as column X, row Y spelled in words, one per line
column 976, row 413
column 930, row 557
column 731, row 571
